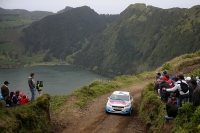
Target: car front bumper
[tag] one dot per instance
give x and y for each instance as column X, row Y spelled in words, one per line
column 122, row 111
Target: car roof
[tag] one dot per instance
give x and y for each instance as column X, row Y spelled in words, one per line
column 121, row 93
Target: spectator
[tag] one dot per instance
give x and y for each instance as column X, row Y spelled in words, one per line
column 5, row 93
column 20, row 97
column 11, row 100
column 173, row 78
column 158, row 74
column 171, row 100
column 24, row 100
column 198, row 80
column 192, row 77
column 1, row 96
column 164, row 84
column 15, row 99
column 172, row 111
column 164, row 73
column 181, row 73
column 182, row 95
column 196, row 93
column 191, row 88
column 157, row 85
column 40, row 86
column 32, row 86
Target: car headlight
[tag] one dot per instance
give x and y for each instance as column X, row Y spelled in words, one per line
column 128, row 105
column 109, row 104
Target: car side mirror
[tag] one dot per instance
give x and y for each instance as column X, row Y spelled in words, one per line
column 131, row 98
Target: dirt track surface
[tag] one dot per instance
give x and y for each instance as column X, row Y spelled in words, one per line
column 93, row 118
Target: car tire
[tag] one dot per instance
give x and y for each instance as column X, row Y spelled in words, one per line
column 130, row 113
column 107, row 112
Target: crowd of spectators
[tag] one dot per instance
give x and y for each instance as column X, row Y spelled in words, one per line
column 176, row 90
column 13, row 99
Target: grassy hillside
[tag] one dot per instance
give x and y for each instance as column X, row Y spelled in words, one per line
column 63, row 34
column 14, row 22
column 142, row 38
column 12, row 49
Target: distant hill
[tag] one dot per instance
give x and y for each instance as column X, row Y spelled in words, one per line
column 66, row 33
column 142, row 38
column 35, row 15
column 67, row 8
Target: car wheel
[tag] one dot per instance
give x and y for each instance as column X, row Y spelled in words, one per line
column 130, row 113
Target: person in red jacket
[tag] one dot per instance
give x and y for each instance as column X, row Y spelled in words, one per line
column 24, row 100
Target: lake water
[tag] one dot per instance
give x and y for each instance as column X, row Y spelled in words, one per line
column 57, row 80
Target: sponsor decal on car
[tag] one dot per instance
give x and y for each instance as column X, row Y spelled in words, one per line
column 121, row 102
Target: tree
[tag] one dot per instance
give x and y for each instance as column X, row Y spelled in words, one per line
column 47, row 57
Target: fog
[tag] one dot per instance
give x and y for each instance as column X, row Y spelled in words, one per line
column 100, row 6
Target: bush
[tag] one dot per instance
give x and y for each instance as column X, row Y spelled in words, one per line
column 188, row 119
column 188, row 56
column 166, row 66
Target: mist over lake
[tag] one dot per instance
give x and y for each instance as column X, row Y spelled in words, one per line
column 57, row 80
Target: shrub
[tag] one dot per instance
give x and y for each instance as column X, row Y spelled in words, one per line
column 188, row 56
column 198, row 53
column 186, row 121
column 166, row 66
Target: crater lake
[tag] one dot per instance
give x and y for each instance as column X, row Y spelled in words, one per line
column 57, row 80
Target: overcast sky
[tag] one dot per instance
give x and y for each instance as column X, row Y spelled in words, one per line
column 100, row 6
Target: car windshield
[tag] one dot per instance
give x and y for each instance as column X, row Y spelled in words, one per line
column 119, row 97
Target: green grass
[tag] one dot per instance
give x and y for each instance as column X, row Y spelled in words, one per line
column 180, row 62
column 150, row 103
column 56, row 101
column 195, row 73
column 98, row 88
column 14, row 22
column 95, row 89
column 8, row 46
column 32, row 117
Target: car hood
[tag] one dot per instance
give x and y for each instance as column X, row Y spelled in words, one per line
column 118, row 102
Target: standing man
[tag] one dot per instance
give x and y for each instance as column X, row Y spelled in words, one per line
column 196, row 93
column 31, row 84
column 5, row 92
column 191, row 88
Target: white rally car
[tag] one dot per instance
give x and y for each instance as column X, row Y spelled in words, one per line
column 119, row 102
